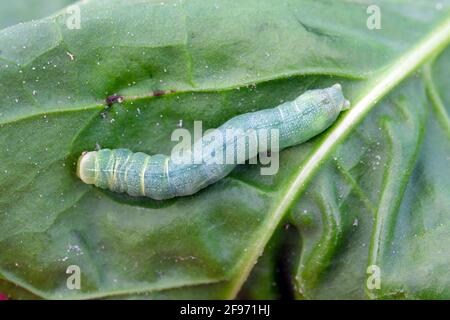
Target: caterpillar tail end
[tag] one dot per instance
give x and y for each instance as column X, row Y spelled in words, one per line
column 347, row 105
column 337, row 86
column 86, row 167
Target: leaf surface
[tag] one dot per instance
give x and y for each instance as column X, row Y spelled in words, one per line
column 370, row 191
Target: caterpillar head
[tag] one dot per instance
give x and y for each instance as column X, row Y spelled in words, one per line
column 86, row 167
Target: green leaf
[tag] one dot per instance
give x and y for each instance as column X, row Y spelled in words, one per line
column 24, row 10
column 370, row 191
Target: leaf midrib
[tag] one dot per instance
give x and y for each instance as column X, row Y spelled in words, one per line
column 437, row 40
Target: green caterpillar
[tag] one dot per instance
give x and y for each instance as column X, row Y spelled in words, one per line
column 160, row 177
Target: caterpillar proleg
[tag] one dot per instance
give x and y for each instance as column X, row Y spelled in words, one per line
column 159, row 177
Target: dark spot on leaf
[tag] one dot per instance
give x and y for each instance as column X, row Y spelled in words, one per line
column 113, row 99
column 158, row 93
